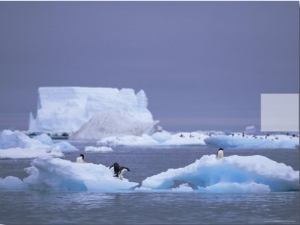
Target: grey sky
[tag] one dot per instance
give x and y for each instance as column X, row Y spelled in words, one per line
column 203, row 65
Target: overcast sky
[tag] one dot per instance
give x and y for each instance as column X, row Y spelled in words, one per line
column 203, row 65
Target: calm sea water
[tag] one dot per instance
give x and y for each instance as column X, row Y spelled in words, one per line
column 33, row 207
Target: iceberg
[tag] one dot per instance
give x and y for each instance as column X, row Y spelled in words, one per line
column 58, row 174
column 47, row 173
column 157, row 139
column 182, row 139
column 200, row 138
column 253, row 141
column 230, row 174
column 13, row 139
column 69, row 109
column 16, row 145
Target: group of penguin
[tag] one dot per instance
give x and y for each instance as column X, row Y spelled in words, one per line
column 118, row 170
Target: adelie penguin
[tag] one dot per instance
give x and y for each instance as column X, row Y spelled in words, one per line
column 80, row 159
column 220, row 153
column 119, row 170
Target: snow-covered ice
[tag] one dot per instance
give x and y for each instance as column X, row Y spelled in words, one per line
column 114, row 117
column 15, row 144
column 120, row 118
column 253, row 141
column 114, row 123
column 62, row 175
column 54, row 174
column 163, row 138
column 199, row 138
column 230, row 174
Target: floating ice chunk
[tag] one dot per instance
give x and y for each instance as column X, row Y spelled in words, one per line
column 252, row 141
column 16, row 139
column 235, row 173
column 186, row 138
column 48, row 173
column 66, row 146
column 18, row 145
column 157, row 139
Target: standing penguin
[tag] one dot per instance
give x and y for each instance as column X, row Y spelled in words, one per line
column 220, row 153
column 80, row 159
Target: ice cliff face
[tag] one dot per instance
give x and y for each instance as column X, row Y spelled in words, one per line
column 67, row 109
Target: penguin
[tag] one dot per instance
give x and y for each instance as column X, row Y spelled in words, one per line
column 80, row 159
column 116, row 167
column 220, row 153
column 119, row 170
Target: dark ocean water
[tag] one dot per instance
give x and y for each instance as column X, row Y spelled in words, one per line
column 132, row 207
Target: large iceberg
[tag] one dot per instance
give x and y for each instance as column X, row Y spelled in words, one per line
column 67, row 109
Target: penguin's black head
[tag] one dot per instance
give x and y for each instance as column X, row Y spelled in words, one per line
column 82, row 156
